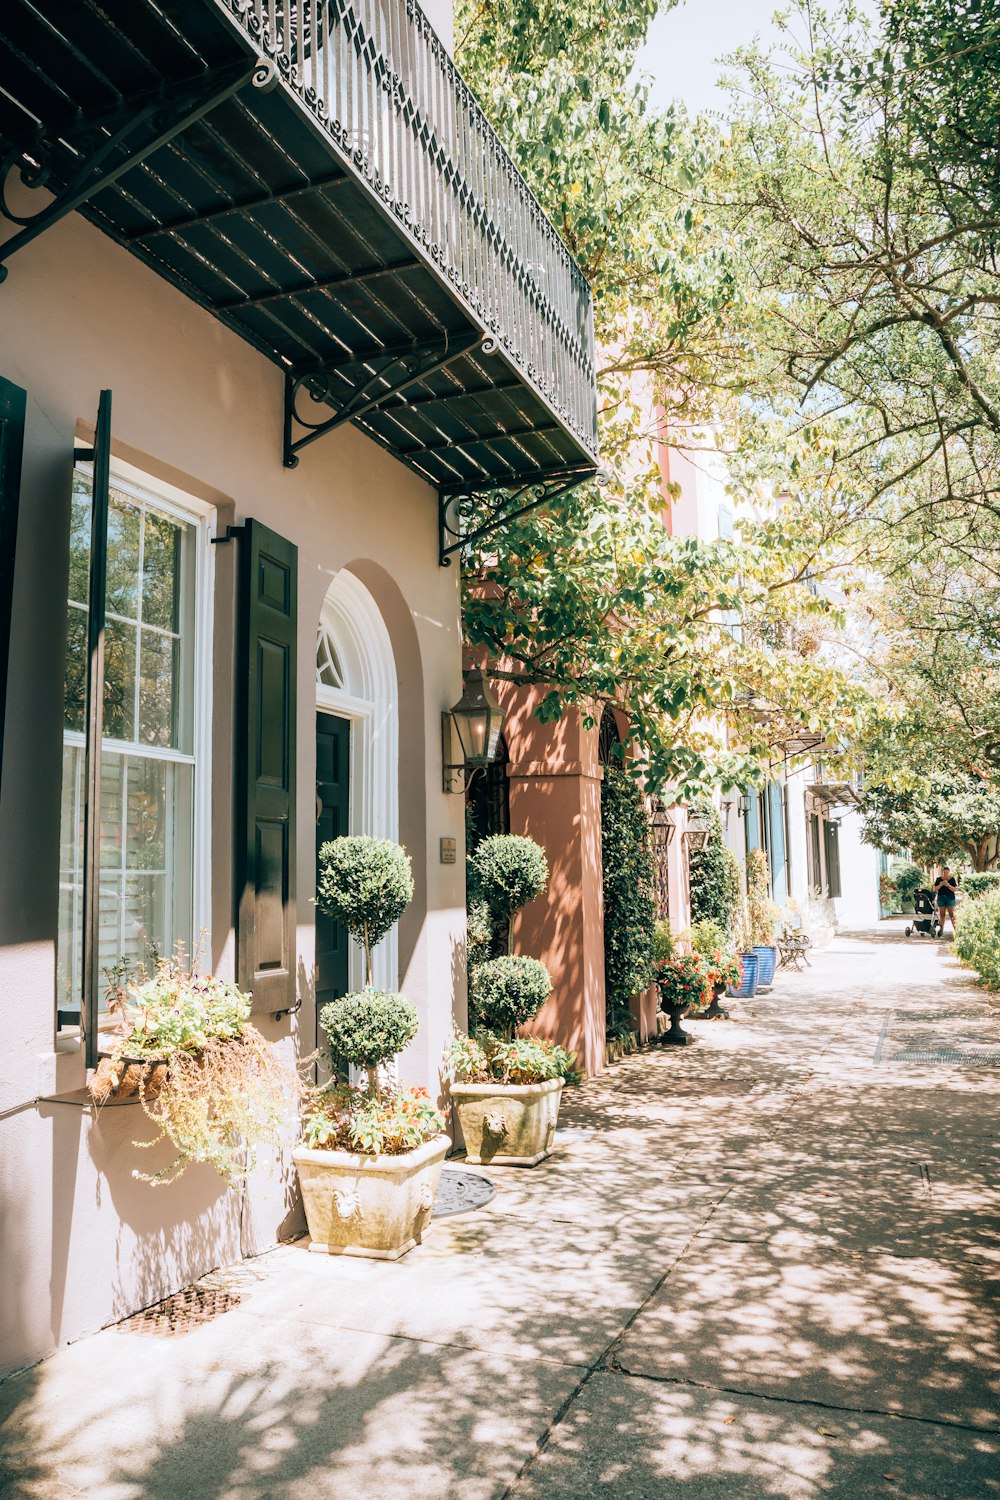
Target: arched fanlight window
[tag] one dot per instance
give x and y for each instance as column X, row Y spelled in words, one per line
column 328, row 669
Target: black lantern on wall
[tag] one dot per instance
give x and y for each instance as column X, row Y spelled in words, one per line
column 476, row 721
column 698, row 828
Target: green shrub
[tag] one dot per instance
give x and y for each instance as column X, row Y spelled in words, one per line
column 712, row 894
column 365, row 884
column 629, row 907
column 979, row 882
column 508, row 991
column 906, row 877
column 507, row 871
column 977, row 937
column 708, row 937
column 763, row 913
column 370, row 1027
column 663, row 941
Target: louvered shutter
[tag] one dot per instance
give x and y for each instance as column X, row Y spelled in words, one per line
column 12, row 406
column 265, row 748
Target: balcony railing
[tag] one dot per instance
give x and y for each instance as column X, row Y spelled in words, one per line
column 378, row 80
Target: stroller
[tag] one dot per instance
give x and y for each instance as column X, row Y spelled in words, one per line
column 925, row 919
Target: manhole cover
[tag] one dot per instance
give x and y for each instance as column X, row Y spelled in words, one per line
column 181, row 1313
column 927, row 1038
column 460, row 1193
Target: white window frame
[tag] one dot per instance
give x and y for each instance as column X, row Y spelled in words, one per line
column 203, row 517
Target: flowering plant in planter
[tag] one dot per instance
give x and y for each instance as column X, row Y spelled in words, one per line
column 682, row 981
column 205, row 1075
column 723, row 969
column 387, row 1123
column 486, row 1059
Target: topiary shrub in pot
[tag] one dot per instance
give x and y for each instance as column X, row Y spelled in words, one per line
column 371, row 1155
column 506, row 1122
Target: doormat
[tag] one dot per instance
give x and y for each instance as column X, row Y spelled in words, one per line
column 926, row 1038
column 181, row 1313
column 460, row 1193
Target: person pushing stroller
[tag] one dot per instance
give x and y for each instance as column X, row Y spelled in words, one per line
column 946, row 889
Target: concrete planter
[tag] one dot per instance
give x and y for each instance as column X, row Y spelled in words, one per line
column 377, row 1206
column 508, row 1124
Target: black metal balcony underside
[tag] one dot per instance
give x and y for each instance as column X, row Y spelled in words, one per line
column 454, row 330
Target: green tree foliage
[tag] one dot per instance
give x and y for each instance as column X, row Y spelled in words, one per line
column 508, row 991
column 629, row 907
column 366, row 884
column 952, row 816
column 507, row 871
column 369, row 1028
column 593, row 599
column 711, row 880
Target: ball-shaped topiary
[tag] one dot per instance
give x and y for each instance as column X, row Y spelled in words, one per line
column 508, row 991
column 366, row 884
column 369, row 1027
column 507, row 871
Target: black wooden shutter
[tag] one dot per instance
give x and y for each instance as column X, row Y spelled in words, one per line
column 12, row 407
column 265, row 752
column 94, row 725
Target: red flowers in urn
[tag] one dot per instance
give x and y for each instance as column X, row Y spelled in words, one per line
column 723, row 970
column 683, row 983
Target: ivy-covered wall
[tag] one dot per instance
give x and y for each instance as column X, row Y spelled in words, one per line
column 629, row 909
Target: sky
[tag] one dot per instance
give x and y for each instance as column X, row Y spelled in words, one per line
column 684, row 43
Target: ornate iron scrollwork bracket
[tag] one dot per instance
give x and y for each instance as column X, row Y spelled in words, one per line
column 399, row 369
column 469, row 514
column 108, row 146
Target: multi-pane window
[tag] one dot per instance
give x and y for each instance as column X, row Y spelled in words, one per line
column 147, row 852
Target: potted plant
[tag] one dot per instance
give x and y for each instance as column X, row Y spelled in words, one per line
column 682, row 981
column 724, row 973
column 708, row 938
column 371, row 1153
column 762, row 914
column 507, row 1096
column 201, row 1071
column 506, row 1122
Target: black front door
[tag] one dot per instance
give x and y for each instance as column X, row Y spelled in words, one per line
column 333, row 757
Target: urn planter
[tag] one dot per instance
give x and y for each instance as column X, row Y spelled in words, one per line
column 376, row 1206
column 507, row 1124
column 713, row 1011
column 676, row 1036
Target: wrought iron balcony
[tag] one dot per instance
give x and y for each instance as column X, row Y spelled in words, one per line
column 318, row 174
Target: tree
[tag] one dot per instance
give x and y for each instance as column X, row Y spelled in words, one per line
column 594, row 600
column 864, row 185
column 952, row 816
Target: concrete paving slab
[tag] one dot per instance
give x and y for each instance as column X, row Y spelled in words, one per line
column 642, row 1440
column 243, row 1409
column 880, row 1333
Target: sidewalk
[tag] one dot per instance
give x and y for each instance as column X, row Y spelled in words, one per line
column 760, row 1266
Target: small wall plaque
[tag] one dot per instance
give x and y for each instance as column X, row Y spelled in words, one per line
column 449, row 851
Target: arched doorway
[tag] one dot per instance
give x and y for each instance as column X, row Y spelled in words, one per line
column 357, row 760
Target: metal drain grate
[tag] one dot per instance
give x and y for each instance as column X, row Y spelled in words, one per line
column 923, row 1038
column 181, row 1313
column 460, row 1193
